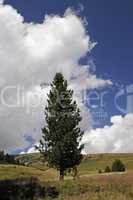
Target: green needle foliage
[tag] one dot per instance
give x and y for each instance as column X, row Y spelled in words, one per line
column 118, row 166
column 61, row 136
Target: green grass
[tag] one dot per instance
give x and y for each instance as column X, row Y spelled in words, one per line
column 93, row 163
column 90, row 164
column 15, row 171
column 89, row 186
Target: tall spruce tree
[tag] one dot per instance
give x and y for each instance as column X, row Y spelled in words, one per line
column 61, row 136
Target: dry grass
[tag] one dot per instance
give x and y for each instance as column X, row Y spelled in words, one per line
column 102, row 187
column 89, row 186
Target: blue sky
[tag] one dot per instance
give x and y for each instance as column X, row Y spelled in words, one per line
column 109, row 23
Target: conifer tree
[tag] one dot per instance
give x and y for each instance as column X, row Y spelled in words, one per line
column 118, row 166
column 61, row 136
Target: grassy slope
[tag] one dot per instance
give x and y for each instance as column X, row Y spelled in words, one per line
column 90, row 185
column 90, row 164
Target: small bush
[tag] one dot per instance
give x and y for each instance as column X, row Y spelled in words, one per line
column 118, row 166
column 100, row 171
column 107, row 169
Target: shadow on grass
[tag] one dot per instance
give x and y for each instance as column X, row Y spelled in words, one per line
column 25, row 189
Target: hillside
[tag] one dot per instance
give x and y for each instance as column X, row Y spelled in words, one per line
column 33, row 160
column 90, row 163
column 89, row 186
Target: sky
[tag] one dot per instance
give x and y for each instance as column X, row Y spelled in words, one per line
column 91, row 42
column 109, row 23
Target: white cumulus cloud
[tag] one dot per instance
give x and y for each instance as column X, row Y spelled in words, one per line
column 1, row 1
column 117, row 138
column 31, row 53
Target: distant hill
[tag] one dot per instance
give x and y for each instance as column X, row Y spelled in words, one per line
column 32, row 160
column 90, row 163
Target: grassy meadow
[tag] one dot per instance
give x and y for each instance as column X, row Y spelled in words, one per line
column 90, row 185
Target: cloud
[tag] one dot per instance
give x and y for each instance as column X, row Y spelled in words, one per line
column 31, row 53
column 117, row 138
column 30, row 150
column 1, row 1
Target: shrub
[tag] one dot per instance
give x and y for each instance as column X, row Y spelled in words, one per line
column 99, row 171
column 107, row 169
column 118, row 166
column 6, row 158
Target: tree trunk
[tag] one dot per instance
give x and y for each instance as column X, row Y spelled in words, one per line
column 61, row 175
column 75, row 173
